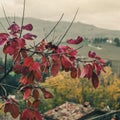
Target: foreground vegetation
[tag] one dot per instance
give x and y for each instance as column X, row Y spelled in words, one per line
column 65, row 88
column 52, row 57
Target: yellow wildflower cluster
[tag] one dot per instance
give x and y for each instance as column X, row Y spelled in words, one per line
column 81, row 90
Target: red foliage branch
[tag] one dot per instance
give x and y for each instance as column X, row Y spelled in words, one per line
column 51, row 59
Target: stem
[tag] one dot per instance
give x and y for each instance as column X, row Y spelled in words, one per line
column 4, row 90
column 5, row 63
column 58, row 39
column 3, row 27
column 8, row 85
column 14, row 17
column 23, row 15
column 52, row 29
column 17, row 56
column 5, row 15
column 68, row 27
column 44, row 33
column 79, row 47
column 48, row 33
column 7, row 72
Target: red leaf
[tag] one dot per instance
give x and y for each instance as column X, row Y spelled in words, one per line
column 16, row 56
column 8, row 50
column 102, row 61
column 76, row 41
column 84, row 71
column 55, row 57
column 37, row 115
column 55, row 68
column 24, row 53
column 25, row 70
column 23, row 80
column 29, row 36
column 29, row 103
column 11, row 106
column 90, row 71
column 21, row 43
column 14, row 28
column 37, row 75
column 87, row 71
column 28, row 27
column 97, row 68
column 46, row 93
column 27, row 114
column 28, row 61
column 27, row 93
column 73, row 72
column 17, row 68
column 42, row 45
column 95, row 80
column 67, row 64
column 94, row 55
column 45, row 61
column 91, row 54
column 34, row 66
column 14, row 111
column 7, row 107
column 36, row 94
column 79, row 72
column 30, row 78
column 97, row 57
column 36, row 104
column 3, row 38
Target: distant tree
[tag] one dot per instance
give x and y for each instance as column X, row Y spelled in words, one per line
column 108, row 63
column 117, row 42
column 105, row 39
column 99, row 40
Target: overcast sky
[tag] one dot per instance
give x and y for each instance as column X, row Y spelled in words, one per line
column 101, row 13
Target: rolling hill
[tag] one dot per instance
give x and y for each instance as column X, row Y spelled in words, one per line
column 42, row 27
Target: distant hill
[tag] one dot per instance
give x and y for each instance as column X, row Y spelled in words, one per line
column 42, row 27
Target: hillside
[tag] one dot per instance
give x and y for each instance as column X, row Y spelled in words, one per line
column 42, row 27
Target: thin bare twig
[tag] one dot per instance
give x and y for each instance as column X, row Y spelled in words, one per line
column 44, row 32
column 79, row 47
column 4, row 90
column 3, row 27
column 8, row 85
column 56, row 42
column 5, row 63
column 5, row 30
column 14, row 17
column 23, row 15
column 53, row 36
column 68, row 28
column 5, row 15
column 7, row 72
column 52, row 29
column 17, row 56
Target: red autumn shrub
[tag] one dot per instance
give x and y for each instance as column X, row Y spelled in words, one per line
column 51, row 59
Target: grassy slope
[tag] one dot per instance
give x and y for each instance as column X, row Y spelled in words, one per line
column 42, row 27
